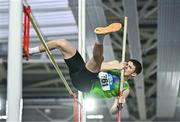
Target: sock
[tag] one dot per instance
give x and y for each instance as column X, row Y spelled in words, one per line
column 100, row 38
column 34, row 50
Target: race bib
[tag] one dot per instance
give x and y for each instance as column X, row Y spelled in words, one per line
column 106, row 81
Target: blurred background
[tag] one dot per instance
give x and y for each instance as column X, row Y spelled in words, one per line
column 153, row 38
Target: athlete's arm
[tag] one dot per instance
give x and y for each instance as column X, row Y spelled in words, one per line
column 115, row 64
column 122, row 99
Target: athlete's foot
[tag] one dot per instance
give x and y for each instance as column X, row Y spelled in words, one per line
column 114, row 27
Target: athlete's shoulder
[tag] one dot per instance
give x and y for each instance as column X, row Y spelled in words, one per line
column 126, row 85
column 114, row 71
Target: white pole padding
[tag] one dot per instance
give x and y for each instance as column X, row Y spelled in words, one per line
column 14, row 84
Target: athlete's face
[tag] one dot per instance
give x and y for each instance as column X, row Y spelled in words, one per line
column 129, row 69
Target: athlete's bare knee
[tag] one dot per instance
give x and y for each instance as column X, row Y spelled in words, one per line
column 61, row 43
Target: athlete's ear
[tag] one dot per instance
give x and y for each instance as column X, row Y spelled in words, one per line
column 133, row 74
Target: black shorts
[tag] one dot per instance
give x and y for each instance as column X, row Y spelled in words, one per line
column 81, row 77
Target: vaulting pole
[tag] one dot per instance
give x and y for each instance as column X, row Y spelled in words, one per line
column 81, row 47
column 14, row 89
column 123, row 59
column 48, row 52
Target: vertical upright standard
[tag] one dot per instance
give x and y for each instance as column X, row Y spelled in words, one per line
column 14, row 89
column 81, row 47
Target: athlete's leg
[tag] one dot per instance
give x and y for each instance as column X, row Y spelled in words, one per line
column 63, row 45
column 94, row 64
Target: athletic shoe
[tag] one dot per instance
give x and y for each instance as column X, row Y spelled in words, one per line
column 114, row 27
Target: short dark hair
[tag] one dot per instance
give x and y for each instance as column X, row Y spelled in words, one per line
column 137, row 64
